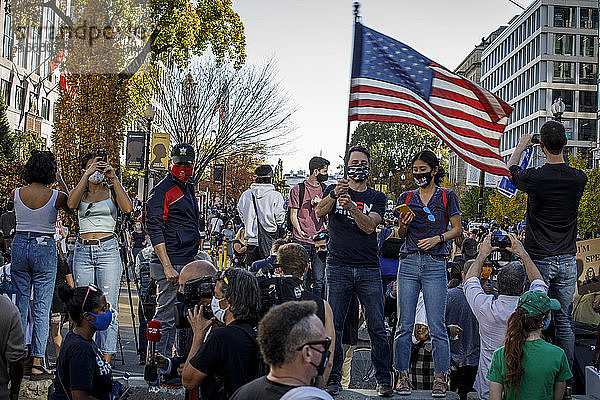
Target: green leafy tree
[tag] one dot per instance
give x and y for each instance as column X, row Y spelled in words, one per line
column 469, row 201
column 589, row 207
column 500, row 206
column 7, row 143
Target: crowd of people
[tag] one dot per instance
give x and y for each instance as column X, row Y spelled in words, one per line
column 448, row 305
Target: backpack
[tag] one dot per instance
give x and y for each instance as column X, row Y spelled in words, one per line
column 444, row 199
column 288, row 214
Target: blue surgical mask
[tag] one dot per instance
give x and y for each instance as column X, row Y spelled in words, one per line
column 546, row 323
column 102, row 320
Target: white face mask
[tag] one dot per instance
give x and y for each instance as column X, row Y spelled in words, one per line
column 215, row 305
column 96, row 178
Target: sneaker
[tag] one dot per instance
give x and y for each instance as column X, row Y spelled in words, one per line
column 439, row 388
column 568, row 393
column 333, row 388
column 403, row 386
column 385, row 390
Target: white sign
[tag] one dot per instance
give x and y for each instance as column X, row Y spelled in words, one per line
column 490, row 180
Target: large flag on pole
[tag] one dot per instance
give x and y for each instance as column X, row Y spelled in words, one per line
column 391, row 82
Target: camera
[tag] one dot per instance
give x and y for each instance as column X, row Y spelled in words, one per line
column 501, row 241
column 536, row 138
column 102, row 155
column 194, row 291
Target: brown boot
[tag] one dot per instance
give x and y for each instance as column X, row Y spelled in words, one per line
column 440, row 386
column 403, row 386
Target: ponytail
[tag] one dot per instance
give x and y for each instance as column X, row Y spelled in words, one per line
column 517, row 331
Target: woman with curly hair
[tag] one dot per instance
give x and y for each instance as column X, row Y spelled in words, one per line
column 33, row 253
column 528, row 367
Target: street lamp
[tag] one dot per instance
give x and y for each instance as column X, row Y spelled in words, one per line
column 149, row 116
column 558, row 108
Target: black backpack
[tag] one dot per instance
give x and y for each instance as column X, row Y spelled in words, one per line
column 389, row 247
column 288, row 214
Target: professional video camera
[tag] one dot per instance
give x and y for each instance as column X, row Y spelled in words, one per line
column 277, row 289
column 194, row 291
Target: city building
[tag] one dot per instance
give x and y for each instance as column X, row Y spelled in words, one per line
column 28, row 84
column 470, row 68
column 550, row 51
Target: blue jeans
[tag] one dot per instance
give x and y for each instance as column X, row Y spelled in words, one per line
column 317, row 267
column 101, row 265
column 420, row 271
column 560, row 274
column 34, row 263
column 342, row 281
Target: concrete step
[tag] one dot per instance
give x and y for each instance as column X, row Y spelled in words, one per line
column 361, row 394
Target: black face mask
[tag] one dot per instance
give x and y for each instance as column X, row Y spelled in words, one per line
column 324, row 360
column 322, row 177
column 322, row 255
column 424, row 179
column 358, row 173
column 180, row 297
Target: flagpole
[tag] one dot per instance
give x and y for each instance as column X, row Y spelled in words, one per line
column 356, row 6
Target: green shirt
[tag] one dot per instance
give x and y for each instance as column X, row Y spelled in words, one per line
column 543, row 365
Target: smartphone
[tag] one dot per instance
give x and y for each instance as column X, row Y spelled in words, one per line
column 403, row 209
column 501, row 241
column 536, row 138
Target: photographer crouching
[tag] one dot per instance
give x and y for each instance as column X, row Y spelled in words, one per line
column 229, row 357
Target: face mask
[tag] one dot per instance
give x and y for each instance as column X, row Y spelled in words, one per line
column 180, row 297
column 96, row 178
column 182, row 173
column 546, row 323
column 71, row 247
column 322, row 177
column 424, row 179
column 102, row 321
column 323, row 364
column 322, row 255
column 358, row 173
column 215, row 305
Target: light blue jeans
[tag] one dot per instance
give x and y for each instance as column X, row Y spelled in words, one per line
column 420, row 271
column 33, row 263
column 101, row 265
column 560, row 274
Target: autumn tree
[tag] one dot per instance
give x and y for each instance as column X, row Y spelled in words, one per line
column 224, row 112
column 588, row 218
column 501, row 206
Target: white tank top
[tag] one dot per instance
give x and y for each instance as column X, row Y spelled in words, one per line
column 41, row 220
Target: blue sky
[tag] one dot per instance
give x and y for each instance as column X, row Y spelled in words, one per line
column 310, row 41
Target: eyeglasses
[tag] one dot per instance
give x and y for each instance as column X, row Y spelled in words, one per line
column 429, row 214
column 325, row 343
column 87, row 210
column 91, row 288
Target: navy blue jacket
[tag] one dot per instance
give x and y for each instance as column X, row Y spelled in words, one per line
column 172, row 219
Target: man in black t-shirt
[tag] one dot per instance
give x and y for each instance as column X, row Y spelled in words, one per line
column 293, row 342
column 354, row 211
column 553, row 194
column 229, row 357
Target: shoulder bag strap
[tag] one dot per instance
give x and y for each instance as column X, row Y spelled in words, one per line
column 301, row 191
column 445, row 199
column 256, row 212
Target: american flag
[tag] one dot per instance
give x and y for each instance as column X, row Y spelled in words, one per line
column 391, row 82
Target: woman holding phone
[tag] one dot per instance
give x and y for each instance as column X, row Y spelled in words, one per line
column 97, row 198
column 424, row 216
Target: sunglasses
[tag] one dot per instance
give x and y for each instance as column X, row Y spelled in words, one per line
column 91, row 288
column 429, row 214
column 87, row 210
column 325, row 343
column 320, row 236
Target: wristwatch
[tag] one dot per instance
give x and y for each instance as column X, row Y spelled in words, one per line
column 332, row 194
column 442, row 237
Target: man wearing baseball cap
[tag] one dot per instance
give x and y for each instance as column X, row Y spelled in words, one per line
column 535, row 369
column 174, row 232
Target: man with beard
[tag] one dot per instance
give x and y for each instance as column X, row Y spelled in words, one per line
column 355, row 210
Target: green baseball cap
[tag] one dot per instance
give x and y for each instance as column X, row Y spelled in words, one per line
column 536, row 302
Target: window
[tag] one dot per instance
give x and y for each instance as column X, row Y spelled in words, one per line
column 587, row 48
column 564, row 72
column 7, row 41
column 588, row 18
column 564, row 44
column 567, row 98
column 564, row 17
column 588, row 73
column 46, row 109
column 6, row 91
column 588, row 101
column 19, row 98
column 587, row 129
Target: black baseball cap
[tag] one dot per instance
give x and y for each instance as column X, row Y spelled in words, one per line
column 264, row 171
column 469, row 248
column 183, row 153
